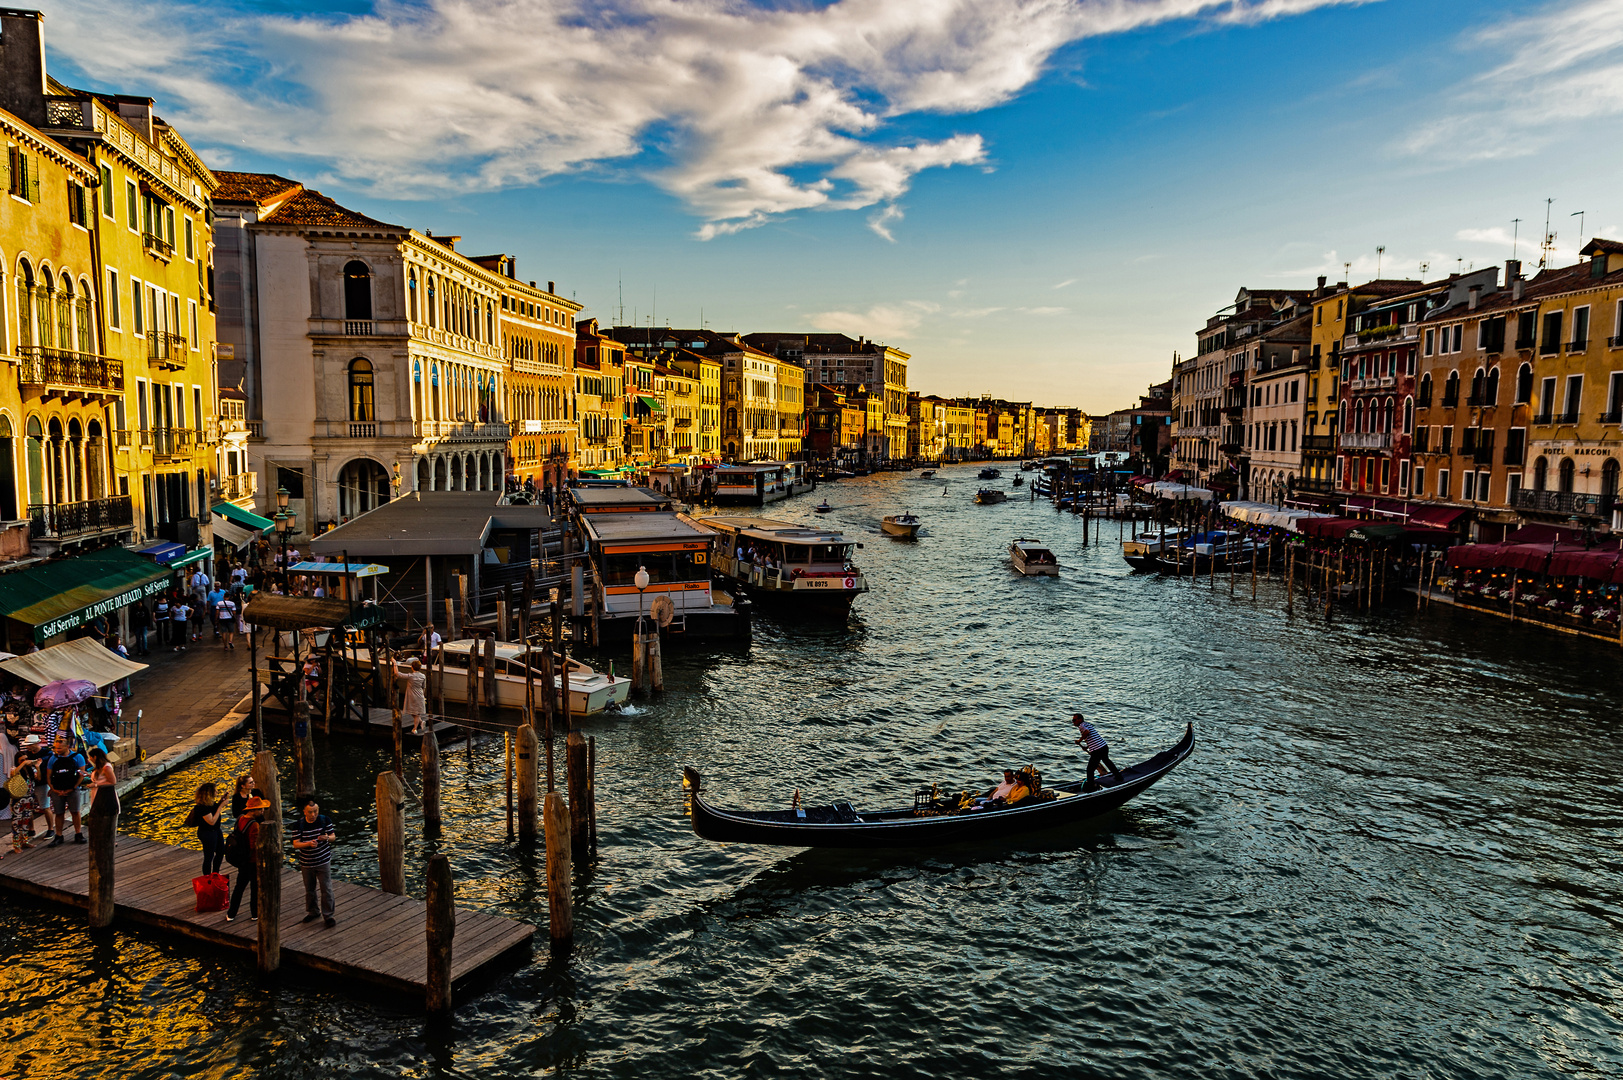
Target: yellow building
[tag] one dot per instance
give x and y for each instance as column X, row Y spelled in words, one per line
column 791, row 412
column 706, row 374
column 683, row 405
column 151, row 227
column 537, row 329
column 600, row 401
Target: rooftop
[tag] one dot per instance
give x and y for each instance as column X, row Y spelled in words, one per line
column 429, row 523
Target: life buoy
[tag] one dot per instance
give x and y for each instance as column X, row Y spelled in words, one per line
column 850, row 583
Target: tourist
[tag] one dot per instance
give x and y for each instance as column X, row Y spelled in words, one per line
column 225, row 621
column 205, row 818
column 23, row 807
column 248, row 866
column 239, row 578
column 416, row 706
column 200, row 582
column 102, row 776
column 212, row 605
column 180, row 622
column 313, row 837
column 1098, row 749
column 428, row 642
column 1003, row 789
column 239, row 797
column 140, row 623
column 64, row 768
column 161, row 615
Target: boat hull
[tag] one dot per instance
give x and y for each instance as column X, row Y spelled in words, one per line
column 899, row 829
column 906, row 531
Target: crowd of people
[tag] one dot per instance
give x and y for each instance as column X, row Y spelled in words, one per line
column 312, row 835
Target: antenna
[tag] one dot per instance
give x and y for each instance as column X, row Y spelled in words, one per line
column 1346, row 270
column 1459, row 265
column 1380, row 253
column 1515, row 235
column 1424, row 267
column 1549, row 237
column 622, row 277
column 1580, row 216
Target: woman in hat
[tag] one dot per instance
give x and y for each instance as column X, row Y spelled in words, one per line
column 23, row 807
column 248, row 872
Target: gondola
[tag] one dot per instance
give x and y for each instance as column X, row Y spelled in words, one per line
column 840, row 825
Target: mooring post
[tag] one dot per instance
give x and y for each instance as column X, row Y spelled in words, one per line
column 651, row 658
column 305, row 742
column 528, row 781
column 507, row 755
column 576, row 752
column 103, row 827
column 501, row 620
column 558, row 869
column 638, row 649
column 591, row 789
column 441, row 898
column 391, row 834
column 269, row 863
column 1290, row 579
column 431, row 779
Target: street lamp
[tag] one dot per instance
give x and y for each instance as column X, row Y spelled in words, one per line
column 641, row 581
column 286, row 520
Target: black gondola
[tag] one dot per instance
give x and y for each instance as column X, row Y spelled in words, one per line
column 840, row 825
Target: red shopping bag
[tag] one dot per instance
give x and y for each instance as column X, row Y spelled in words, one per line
column 213, row 890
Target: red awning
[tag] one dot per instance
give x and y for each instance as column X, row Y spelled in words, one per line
column 1437, row 517
column 1335, row 528
column 1598, row 563
column 1359, row 502
column 1475, row 556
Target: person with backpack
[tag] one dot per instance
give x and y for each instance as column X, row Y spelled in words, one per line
column 242, row 852
column 64, row 768
column 205, row 818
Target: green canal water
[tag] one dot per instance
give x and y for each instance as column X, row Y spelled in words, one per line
column 1395, row 852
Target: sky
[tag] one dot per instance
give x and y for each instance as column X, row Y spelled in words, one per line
column 1037, row 199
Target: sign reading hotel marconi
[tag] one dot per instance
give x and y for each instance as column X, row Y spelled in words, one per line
column 75, row 619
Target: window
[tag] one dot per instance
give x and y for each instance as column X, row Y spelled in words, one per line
column 132, row 205
column 1419, row 480
column 1403, row 478
column 1541, row 474
column 1568, row 470
column 106, row 192
column 1575, row 391
column 24, row 178
column 1386, row 474
column 1447, row 446
column 1459, row 337
column 1515, row 445
column 357, row 291
column 1468, row 486
column 1513, row 487
column 360, row 391
column 1425, row 391
column 1524, row 384
column 1442, row 483
column 1546, row 403
column 1431, row 342
column 1580, row 329
column 191, row 316
column 1614, row 399
column 191, row 250
column 111, row 300
column 137, row 307
column 1552, row 333
column 79, row 205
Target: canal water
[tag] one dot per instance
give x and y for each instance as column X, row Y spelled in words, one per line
column 1395, row 851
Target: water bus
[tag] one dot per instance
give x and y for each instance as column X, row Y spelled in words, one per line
column 794, row 567
column 676, row 553
column 760, row 482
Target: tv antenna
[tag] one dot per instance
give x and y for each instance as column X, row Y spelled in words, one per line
column 1424, row 267
column 621, row 321
column 1515, row 235
column 1580, row 216
column 1346, row 270
column 1549, row 238
column 1380, row 253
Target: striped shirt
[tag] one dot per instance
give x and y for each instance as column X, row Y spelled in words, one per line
column 315, row 830
column 1095, row 741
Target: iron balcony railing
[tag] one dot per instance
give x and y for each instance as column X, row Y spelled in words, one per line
column 1549, row 348
column 158, row 246
column 1568, row 417
column 1578, row 346
column 77, row 518
column 1321, row 443
column 1451, row 400
column 1525, row 343
column 166, row 348
column 40, row 366
column 1366, row 440
column 1562, row 502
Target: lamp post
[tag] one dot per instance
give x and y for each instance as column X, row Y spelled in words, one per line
column 641, row 581
column 286, row 521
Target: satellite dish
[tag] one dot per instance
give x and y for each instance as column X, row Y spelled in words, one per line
column 662, row 611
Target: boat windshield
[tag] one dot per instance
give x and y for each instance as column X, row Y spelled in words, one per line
column 799, row 554
column 661, row 566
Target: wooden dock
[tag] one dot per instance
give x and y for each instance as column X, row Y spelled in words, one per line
column 380, row 938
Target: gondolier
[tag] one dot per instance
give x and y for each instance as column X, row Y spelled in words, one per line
column 1098, row 749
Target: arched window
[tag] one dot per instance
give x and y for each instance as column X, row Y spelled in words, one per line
column 1490, row 389
column 357, row 291
column 1541, row 474
column 1425, row 390
column 1391, row 410
column 1477, row 381
column 1567, row 472
column 1451, row 389
column 95, row 461
column 1524, row 384
column 361, row 408
column 8, row 471
column 1408, row 416
column 411, row 294
column 490, row 322
column 1608, row 485
column 430, row 305
column 25, row 305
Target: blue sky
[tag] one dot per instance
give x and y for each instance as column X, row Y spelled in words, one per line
column 1038, row 199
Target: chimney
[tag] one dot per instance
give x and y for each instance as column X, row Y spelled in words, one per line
column 1322, row 280
column 1517, row 286
column 22, row 65
column 1473, row 295
column 552, row 287
column 1513, row 270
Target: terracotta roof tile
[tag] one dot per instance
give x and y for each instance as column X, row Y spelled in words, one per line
column 251, row 187
column 313, row 208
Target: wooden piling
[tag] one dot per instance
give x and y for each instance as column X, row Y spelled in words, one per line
column 450, row 620
column 576, row 755
column 489, row 672
column 304, row 747
column 1290, row 579
column 507, row 758
column 326, row 710
column 269, row 863
column 501, row 620
column 253, row 680
column 441, row 929
column 651, row 659
column 431, row 778
column 639, row 646
column 591, row 790
column 528, row 781
column 558, row 870
column 102, row 824
column 391, row 796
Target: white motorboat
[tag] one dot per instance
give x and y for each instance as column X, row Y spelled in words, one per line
column 901, row 525
column 988, row 496
column 1032, row 559
column 1149, row 549
column 590, row 691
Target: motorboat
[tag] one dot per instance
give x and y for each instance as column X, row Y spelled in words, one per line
column 905, row 525
column 1028, row 466
column 1018, row 480
column 989, row 473
column 1145, row 550
column 934, row 818
column 590, row 690
column 823, row 507
column 927, row 474
column 988, row 496
column 1032, row 559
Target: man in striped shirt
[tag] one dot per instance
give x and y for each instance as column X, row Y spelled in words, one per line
column 1098, row 749
column 312, row 839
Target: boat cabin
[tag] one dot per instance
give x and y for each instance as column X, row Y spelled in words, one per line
column 671, row 547
column 781, row 557
column 751, row 485
column 619, row 500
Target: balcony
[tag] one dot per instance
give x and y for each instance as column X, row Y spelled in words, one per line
column 1451, row 400
column 1313, row 484
column 1562, row 502
column 459, row 431
column 1615, row 342
column 1323, row 444
column 1525, row 343
column 67, row 520
column 1482, row 455
column 239, row 486
column 256, row 428
column 1549, row 348
column 1366, row 440
column 165, row 349
column 358, row 327
column 363, row 430
column 168, row 441
column 1613, row 416
column 1578, row 346
column 1568, row 417
column 1543, row 418
column 157, row 246
column 47, row 368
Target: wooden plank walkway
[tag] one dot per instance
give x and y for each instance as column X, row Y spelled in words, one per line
column 380, row 938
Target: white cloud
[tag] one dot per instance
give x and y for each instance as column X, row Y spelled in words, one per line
column 1067, row 282
column 1043, row 310
column 881, row 322
column 744, row 113
column 1563, row 66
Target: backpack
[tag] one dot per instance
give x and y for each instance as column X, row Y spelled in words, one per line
column 64, row 774
column 236, row 849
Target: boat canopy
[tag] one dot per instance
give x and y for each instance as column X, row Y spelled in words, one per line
column 1167, row 489
column 1256, row 513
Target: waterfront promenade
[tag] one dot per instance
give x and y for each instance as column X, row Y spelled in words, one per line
column 190, row 702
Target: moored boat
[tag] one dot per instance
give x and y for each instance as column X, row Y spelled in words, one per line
column 930, row 820
column 905, row 525
column 1032, row 559
column 1144, row 551
column 590, row 690
column 988, row 496
column 795, row 567
column 927, row 474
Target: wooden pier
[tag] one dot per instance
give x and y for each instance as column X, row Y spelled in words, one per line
column 380, row 939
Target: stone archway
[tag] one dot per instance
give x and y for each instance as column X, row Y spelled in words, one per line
column 363, row 484
column 442, row 475
column 424, row 474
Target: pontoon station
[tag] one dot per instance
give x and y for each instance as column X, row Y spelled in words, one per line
column 759, row 483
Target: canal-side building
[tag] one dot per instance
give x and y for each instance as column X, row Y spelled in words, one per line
column 841, row 361
column 600, row 401
column 1276, row 409
column 537, row 334
column 704, row 373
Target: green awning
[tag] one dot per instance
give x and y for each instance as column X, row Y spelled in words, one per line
column 653, row 404
column 60, row 596
column 191, row 557
column 246, row 518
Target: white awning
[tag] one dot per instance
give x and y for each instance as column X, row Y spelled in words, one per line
column 82, row 658
column 228, row 530
column 1170, row 489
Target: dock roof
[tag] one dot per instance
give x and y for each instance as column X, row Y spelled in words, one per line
column 776, row 530
column 651, row 528
column 429, row 523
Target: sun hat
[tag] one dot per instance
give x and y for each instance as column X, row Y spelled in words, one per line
column 32, row 740
column 255, row 803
